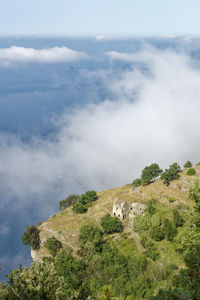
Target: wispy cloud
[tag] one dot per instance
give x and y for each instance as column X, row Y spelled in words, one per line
column 50, row 55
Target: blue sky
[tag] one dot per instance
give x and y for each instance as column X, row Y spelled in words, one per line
column 97, row 17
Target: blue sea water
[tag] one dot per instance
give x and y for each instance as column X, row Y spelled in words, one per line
column 31, row 94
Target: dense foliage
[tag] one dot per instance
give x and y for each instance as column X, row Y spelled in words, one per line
column 137, row 182
column 188, row 164
column 84, row 202
column 150, row 173
column 191, row 172
column 171, row 174
column 31, row 237
column 53, row 245
column 111, row 224
column 70, row 200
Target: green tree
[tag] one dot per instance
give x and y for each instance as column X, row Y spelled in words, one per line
column 171, row 174
column 111, row 224
column 79, row 208
column 53, row 245
column 31, row 237
column 84, row 202
column 150, row 173
column 91, row 236
column 188, row 164
column 137, row 182
column 70, row 200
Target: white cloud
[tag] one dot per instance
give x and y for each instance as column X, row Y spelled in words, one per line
column 50, row 55
column 99, row 37
column 154, row 118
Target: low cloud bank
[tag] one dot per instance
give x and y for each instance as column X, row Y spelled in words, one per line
column 52, row 55
column 154, row 118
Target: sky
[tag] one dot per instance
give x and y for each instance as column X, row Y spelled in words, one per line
column 95, row 17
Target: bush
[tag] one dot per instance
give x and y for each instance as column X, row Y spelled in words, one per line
column 156, row 233
column 84, row 202
column 150, row 173
column 31, row 237
column 137, row 182
column 191, row 172
column 177, row 219
column 79, row 208
column 70, row 200
column 171, row 173
column 141, row 223
column 91, row 236
column 152, row 253
column 171, row 199
column 53, row 245
column 169, row 230
column 111, row 224
column 150, row 208
column 188, row 164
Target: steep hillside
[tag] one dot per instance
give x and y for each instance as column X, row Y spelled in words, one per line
column 65, row 226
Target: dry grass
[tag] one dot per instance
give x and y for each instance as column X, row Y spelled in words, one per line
column 66, row 225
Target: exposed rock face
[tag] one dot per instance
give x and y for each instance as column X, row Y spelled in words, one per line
column 124, row 209
column 35, row 256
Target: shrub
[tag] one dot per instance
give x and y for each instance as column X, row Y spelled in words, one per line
column 31, row 237
column 137, row 182
column 177, row 219
column 191, row 172
column 171, row 199
column 111, row 224
column 152, row 252
column 79, row 208
column 53, row 245
column 84, row 202
column 91, row 235
column 70, row 200
column 150, row 173
column 156, row 233
column 169, row 230
column 188, row 164
column 171, row 173
column 150, row 208
column 141, row 223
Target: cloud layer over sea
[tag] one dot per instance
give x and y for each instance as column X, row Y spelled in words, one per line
column 149, row 113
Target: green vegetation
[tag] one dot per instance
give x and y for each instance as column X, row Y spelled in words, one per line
column 156, row 233
column 84, row 202
column 31, row 237
column 191, row 172
column 177, row 219
column 111, row 224
column 150, row 210
column 156, row 258
column 171, row 174
column 188, row 164
column 91, row 238
column 171, row 199
column 137, row 182
column 70, row 200
column 151, row 250
column 150, row 173
column 53, row 245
